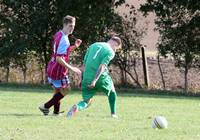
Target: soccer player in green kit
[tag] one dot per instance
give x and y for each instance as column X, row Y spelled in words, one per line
column 95, row 75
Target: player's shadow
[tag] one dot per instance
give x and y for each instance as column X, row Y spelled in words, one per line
column 19, row 114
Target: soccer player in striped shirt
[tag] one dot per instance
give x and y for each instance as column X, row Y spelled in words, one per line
column 96, row 76
column 58, row 65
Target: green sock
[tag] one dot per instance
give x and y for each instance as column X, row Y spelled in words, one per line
column 82, row 105
column 112, row 101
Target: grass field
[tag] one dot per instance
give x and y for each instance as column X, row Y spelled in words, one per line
column 20, row 118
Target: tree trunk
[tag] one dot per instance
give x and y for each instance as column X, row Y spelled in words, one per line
column 125, row 79
column 161, row 72
column 24, row 75
column 186, row 78
column 122, row 77
column 7, row 73
column 45, row 60
column 135, row 71
column 137, row 82
column 42, row 76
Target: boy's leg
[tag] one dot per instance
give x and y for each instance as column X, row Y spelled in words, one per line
column 61, row 87
column 57, row 105
column 84, row 104
column 53, row 101
column 64, row 91
column 56, row 108
column 87, row 95
column 112, row 101
column 79, row 107
column 108, row 88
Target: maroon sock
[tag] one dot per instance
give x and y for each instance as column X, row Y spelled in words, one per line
column 54, row 100
column 56, row 108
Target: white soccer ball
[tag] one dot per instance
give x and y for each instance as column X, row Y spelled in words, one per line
column 159, row 122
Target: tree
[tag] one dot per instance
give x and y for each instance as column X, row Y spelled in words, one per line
column 178, row 23
column 131, row 36
column 5, row 42
column 94, row 18
column 15, row 37
column 34, row 22
column 161, row 72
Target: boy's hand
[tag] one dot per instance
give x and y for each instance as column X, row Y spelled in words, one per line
column 92, row 85
column 78, row 42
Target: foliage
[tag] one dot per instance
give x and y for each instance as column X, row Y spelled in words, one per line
column 28, row 26
column 131, row 35
column 178, row 22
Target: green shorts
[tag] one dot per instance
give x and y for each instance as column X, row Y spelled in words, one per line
column 104, row 84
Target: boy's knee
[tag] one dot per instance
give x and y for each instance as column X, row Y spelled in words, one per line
column 66, row 90
column 113, row 95
column 89, row 101
column 113, row 88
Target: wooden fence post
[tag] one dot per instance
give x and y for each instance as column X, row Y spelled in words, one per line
column 145, row 68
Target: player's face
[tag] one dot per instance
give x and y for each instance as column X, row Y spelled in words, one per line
column 117, row 46
column 69, row 28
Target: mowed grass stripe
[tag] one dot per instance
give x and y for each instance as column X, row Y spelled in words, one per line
column 20, row 118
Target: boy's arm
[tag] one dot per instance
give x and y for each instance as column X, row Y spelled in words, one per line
column 61, row 51
column 76, row 45
column 100, row 70
column 62, row 62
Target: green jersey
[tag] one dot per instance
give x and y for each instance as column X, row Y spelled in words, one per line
column 98, row 53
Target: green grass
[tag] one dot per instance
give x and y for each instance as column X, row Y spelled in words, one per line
column 20, row 118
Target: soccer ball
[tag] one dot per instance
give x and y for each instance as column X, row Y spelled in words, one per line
column 159, row 122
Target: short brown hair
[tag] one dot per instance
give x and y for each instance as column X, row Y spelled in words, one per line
column 68, row 19
column 117, row 39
